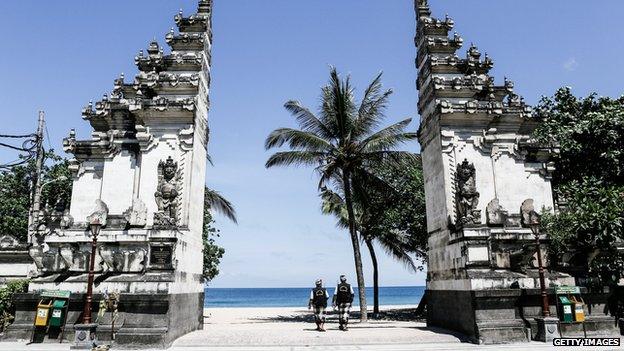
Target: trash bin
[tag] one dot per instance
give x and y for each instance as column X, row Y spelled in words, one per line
column 579, row 311
column 43, row 312
column 58, row 313
column 565, row 311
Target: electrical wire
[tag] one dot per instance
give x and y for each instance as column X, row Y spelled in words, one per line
column 28, row 146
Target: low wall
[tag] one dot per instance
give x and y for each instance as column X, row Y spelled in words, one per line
column 507, row 315
column 145, row 321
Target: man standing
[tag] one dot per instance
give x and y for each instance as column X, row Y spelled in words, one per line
column 343, row 299
column 318, row 300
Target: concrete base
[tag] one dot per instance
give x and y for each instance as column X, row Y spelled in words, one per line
column 485, row 317
column 85, row 337
column 500, row 316
column 148, row 321
column 547, row 329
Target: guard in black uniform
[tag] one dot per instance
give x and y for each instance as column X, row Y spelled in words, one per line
column 343, row 299
column 318, row 300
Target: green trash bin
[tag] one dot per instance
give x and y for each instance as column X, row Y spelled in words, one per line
column 58, row 313
column 565, row 309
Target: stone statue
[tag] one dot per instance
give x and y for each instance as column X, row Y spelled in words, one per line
column 136, row 215
column 166, row 194
column 100, row 213
column 467, row 196
column 496, row 215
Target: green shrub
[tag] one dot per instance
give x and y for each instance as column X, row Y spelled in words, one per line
column 7, row 308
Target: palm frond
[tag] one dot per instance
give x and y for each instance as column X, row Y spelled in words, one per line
column 395, row 245
column 296, row 139
column 372, row 108
column 388, row 137
column 288, row 158
column 334, row 204
column 307, row 120
column 216, row 201
column 363, row 181
column 393, row 159
column 342, row 103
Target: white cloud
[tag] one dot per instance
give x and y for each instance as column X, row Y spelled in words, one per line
column 570, row 64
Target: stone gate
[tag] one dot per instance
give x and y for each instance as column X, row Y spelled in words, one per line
column 483, row 176
column 143, row 173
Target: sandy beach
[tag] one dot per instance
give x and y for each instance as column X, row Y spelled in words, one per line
column 295, row 327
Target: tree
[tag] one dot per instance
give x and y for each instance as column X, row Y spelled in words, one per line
column 16, row 188
column 394, row 219
column 212, row 252
column 343, row 146
column 589, row 181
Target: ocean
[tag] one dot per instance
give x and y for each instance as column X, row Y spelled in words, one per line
column 298, row 297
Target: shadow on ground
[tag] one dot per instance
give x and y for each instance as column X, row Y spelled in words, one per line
column 461, row 337
column 396, row 315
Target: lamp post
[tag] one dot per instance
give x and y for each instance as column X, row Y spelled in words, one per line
column 534, row 224
column 95, row 226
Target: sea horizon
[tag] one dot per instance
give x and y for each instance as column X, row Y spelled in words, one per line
column 298, row 296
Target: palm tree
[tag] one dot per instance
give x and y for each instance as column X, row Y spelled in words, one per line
column 214, row 200
column 394, row 243
column 342, row 144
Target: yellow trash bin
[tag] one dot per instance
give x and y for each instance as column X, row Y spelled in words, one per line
column 579, row 311
column 43, row 312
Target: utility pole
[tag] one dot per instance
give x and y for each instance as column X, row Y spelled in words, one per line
column 33, row 219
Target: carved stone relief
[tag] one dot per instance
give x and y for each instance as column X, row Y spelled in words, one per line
column 136, row 215
column 525, row 211
column 122, row 259
column 9, row 242
column 467, row 196
column 166, row 194
column 100, row 213
column 496, row 214
column 47, row 259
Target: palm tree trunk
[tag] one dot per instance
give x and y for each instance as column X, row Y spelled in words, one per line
column 371, row 249
column 356, row 246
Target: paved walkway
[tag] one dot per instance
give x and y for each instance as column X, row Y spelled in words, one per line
column 280, row 329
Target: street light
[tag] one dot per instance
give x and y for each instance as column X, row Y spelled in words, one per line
column 95, row 226
column 534, row 224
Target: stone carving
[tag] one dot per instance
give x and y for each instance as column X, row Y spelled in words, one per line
column 166, row 194
column 521, row 259
column 525, row 211
column 9, row 242
column 496, row 214
column 67, row 220
column 100, row 213
column 47, row 259
column 81, row 258
column 67, row 254
column 467, row 196
column 136, row 215
column 116, row 259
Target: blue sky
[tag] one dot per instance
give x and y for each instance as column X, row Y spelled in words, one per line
column 57, row 55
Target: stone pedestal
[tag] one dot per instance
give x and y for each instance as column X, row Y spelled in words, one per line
column 85, row 336
column 547, row 329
